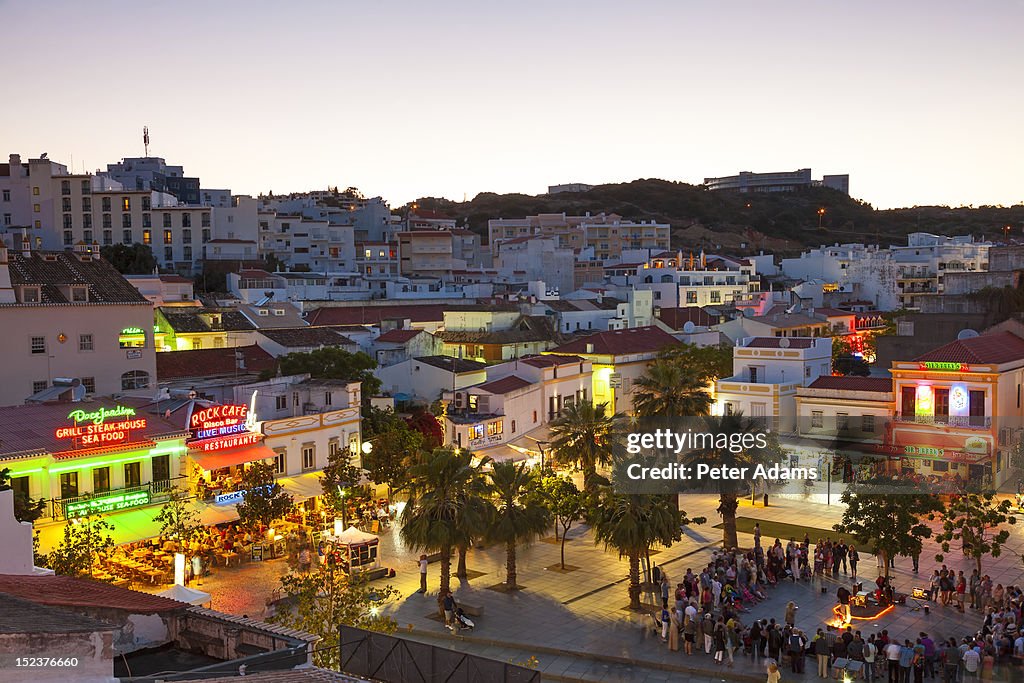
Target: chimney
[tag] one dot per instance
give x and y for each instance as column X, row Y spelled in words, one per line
column 26, row 244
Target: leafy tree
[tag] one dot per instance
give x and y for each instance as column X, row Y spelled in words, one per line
column 338, row 476
column 433, row 520
column 263, row 498
column 888, row 516
column 519, row 517
column 586, row 436
column 975, row 520
column 704, row 364
column 25, row 509
column 394, row 447
column 424, row 422
column 84, row 539
column 633, row 524
column 741, row 430
column 136, row 259
column 319, row 601
column 179, row 520
column 331, row 362
column 564, row 501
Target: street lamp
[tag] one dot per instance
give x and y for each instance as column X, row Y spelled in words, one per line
column 541, row 445
column 821, row 214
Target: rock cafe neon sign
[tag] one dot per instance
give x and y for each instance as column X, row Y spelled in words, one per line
column 219, row 427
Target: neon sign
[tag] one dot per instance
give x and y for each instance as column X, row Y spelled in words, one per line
column 121, row 501
column 101, row 434
column 222, row 442
column 944, row 367
column 133, row 330
column 215, row 417
column 924, row 401
column 100, row 415
column 959, row 400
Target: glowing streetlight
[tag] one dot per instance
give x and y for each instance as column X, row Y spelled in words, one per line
column 821, row 214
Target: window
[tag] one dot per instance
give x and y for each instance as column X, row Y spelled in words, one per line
column 38, row 345
column 161, row 467
column 68, row 238
column 35, row 191
column 867, row 424
column 85, row 342
column 107, row 221
column 206, row 236
column 65, row 187
column 494, row 428
column 69, row 484
column 308, row 456
column 817, row 419
column 168, row 253
column 147, row 220
column 147, row 204
column 87, row 204
column 133, row 474
column 842, row 422
column 79, row 294
column 186, row 253
column 39, row 385
column 101, row 479
column 126, row 236
column 263, row 313
column 280, row 462
column 20, row 487
column 65, row 204
column 85, row 187
column 280, row 402
column 134, row 379
column 295, row 399
column 167, row 220
column 108, row 238
column 36, row 208
column 691, row 297
column 7, row 195
column 940, row 466
column 30, row 295
column 476, row 432
column 87, row 236
column 206, row 219
column 106, row 204
column 147, row 237
column 126, row 220
column 333, row 448
column 168, row 237
column 716, row 296
column 126, row 203
column 186, row 237
column 186, row 220
column 90, row 384
column 327, row 398
column 7, row 219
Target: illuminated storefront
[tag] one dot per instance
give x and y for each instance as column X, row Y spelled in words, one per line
column 119, row 460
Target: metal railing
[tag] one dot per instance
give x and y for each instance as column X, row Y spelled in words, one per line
column 159, row 491
column 969, row 421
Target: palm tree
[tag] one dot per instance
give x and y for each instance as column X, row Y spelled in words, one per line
column 670, row 388
column 586, row 436
column 739, row 430
column 633, row 524
column 519, row 517
column 474, row 515
column 438, row 493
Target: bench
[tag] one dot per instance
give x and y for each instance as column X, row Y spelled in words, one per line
column 471, row 609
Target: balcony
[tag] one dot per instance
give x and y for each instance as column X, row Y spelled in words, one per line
column 158, row 491
column 964, row 421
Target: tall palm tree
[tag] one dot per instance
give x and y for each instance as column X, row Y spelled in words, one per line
column 474, row 515
column 633, row 524
column 670, row 388
column 586, row 436
column 733, row 429
column 519, row 517
column 439, row 486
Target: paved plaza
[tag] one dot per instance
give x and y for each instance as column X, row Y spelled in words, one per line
column 576, row 624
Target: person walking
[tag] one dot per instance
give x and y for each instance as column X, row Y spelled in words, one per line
column 854, row 557
column 719, row 641
column 708, row 628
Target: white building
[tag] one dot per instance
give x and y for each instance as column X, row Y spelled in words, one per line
column 535, row 258
column 767, row 371
column 425, row 378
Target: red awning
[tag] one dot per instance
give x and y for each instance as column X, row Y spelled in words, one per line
column 215, row 460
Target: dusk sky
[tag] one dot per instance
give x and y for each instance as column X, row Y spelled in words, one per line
column 920, row 102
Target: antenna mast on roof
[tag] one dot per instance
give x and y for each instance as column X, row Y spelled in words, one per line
column 145, row 139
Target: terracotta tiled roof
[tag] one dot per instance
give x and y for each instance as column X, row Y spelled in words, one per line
column 372, row 315
column 833, row 312
column 211, row 362
column 303, row 337
column 398, row 336
column 876, row 384
column 68, row 591
column 998, row 347
column 451, row 364
column 620, row 342
column 23, row 616
column 57, row 269
column 676, row 318
column 550, row 360
column 178, row 279
column 30, row 428
column 776, row 343
column 505, row 385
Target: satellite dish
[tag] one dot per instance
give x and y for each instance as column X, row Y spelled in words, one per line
column 784, row 343
column 689, row 327
column 967, row 334
column 748, row 312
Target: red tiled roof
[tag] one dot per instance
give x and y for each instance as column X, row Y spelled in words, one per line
column 372, row 315
column 833, row 312
column 876, row 384
column 210, row 362
column 174, row 278
column 398, row 336
column 253, row 273
column 998, row 347
column 620, row 342
column 68, row 591
column 775, row 343
column 550, row 360
column 505, row 385
column 677, row 317
column 429, row 215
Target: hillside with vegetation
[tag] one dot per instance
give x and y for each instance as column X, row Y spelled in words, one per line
column 742, row 223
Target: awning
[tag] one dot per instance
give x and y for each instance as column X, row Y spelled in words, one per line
column 303, row 486
column 215, row 460
column 502, row 453
column 129, row 526
column 217, row 514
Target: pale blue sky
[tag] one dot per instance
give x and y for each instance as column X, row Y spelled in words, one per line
column 921, row 102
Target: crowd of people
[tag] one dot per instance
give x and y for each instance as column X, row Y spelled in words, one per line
column 702, row 613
